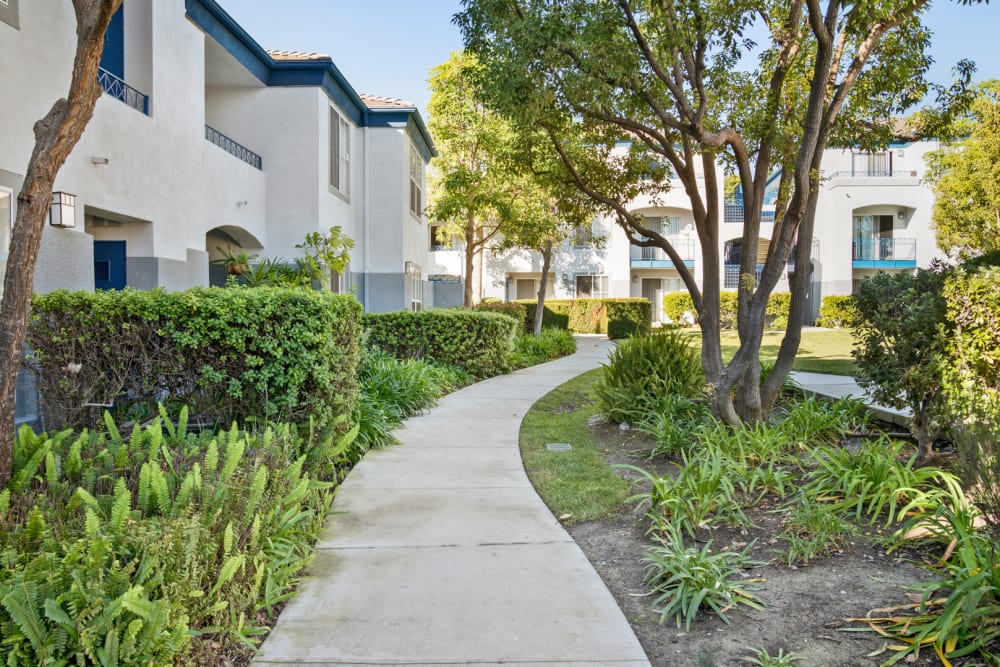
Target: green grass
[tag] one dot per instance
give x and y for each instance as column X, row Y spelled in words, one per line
column 821, row 350
column 578, row 481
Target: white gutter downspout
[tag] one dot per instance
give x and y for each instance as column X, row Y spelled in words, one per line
column 367, row 221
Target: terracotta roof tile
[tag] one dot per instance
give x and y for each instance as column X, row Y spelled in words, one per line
column 296, row 55
column 377, row 102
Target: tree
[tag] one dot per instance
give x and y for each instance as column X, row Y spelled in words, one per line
column 472, row 188
column 668, row 78
column 966, row 182
column 55, row 136
column 900, row 334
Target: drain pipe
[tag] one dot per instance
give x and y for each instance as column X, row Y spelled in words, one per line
column 366, row 220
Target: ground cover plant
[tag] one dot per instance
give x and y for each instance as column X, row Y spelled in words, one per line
column 803, row 527
column 551, row 344
column 163, row 547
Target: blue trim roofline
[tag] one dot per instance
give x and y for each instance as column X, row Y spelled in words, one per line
column 323, row 73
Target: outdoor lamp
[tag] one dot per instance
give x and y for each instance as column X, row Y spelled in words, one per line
column 62, row 212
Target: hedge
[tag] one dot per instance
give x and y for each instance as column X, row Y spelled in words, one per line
column 509, row 308
column 619, row 318
column 481, row 343
column 269, row 352
column 675, row 304
column 837, row 310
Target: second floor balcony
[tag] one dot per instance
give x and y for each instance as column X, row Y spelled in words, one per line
column 233, row 148
column 118, row 89
column 884, row 253
column 656, row 258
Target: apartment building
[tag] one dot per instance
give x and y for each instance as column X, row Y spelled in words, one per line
column 202, row 141
column 874, row 214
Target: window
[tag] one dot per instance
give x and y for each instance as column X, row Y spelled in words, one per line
column 871, row 164
column 416, row 182
column 414, row 285
column 340, row 153
column 8, row 13
column 584, row 236
column 591, row 287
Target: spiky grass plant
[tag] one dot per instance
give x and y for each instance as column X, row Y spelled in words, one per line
column 813, row 530
column 686, row 580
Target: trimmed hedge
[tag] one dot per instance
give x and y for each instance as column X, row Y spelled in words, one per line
column 272, row 353
column 619, row 318
column 675, row 304
column 508, row 308
column 837, row 310
column 481, row 343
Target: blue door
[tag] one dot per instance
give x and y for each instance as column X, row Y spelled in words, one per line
column 113, row 57
column 109, row 265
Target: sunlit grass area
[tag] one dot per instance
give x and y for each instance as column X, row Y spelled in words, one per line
column 821, row 350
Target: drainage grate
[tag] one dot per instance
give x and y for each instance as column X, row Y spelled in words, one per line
column 559, row 446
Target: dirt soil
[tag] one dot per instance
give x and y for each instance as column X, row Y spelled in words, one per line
column 806, row 605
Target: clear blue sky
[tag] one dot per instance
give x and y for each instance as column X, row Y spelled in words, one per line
column 387, row 47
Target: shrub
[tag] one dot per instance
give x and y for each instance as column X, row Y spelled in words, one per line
column 675, row 304
column 230, row 353
column 972, row 378
column 675, row 422
column 512, row 309
column 642, row 370
column 813, row 530
column 151, row 549
column 619, row 318
column 530, row 350
column 479, row 343
column 898, row 346
column 836, row 311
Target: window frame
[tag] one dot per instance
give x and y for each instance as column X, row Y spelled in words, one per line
column 601, row 279
column 340, row 154
column 416, row 180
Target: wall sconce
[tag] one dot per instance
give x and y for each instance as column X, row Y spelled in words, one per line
column 635, row 279
column 900, row 215
column 241, row 202
column 99, row 160
column 62, row 212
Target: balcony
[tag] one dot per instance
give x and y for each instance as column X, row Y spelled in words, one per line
column 731, row 275
column 875, row 173
column 732, row 212
column 656, row 258
column 118, row 89
column 884, row 253
column 233, row 148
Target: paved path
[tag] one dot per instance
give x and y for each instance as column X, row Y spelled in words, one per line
column 439, row 551
column 838, row 386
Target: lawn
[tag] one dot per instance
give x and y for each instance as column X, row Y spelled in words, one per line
column 821, row 350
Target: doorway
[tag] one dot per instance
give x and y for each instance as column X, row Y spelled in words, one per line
column 652, row 289
column 109, row 265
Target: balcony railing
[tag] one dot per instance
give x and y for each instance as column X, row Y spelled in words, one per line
column 885, row 250
column 120, row 90
column 877, row 173
column 731, row 275
column 233, row 148
column 684, row 247
column 732, row 212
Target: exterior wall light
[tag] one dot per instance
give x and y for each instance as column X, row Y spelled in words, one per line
column 99, row 160
column 62, row 212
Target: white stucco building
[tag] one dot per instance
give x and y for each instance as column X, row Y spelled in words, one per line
column 204, row 140
column 874, row 214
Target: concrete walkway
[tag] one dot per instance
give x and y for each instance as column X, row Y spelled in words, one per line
column 839, row 386
column 439, row 551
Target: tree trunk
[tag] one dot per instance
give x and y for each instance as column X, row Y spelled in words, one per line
column 472, row 248
column 925, row 441
column 540, row 306
column 55, row 136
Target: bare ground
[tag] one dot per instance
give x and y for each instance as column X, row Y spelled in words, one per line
column 806, row 605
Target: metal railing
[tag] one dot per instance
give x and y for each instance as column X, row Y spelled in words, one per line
column 684, row 247
column 887, row 249
column 875, row 173
column 731, row 275
column 120, row 90
column 233, row 147
column 732, row 212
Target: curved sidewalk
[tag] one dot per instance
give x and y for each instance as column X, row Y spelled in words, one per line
column 439, row 551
